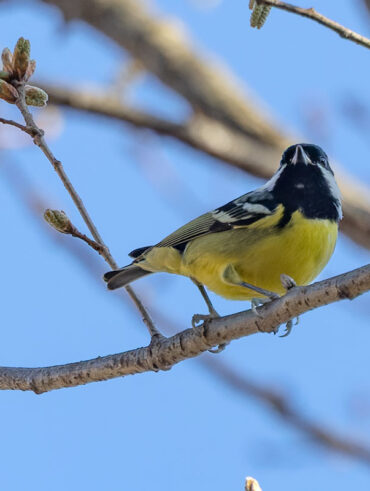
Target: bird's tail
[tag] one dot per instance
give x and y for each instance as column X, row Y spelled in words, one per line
column 124, row 276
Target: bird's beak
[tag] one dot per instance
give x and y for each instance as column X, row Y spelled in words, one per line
column 300, row 156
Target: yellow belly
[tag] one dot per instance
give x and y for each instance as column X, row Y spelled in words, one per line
column 300, row 250
column 259, row 253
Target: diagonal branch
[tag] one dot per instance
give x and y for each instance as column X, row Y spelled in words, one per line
column 311, row 13
column 167, row 352
column 10, row 122
column 318, row 432
column 165, row 51
column 38, row 138
column 219, row 141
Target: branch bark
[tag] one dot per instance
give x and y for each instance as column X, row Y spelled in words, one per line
column 311, row 13
column 162, row 354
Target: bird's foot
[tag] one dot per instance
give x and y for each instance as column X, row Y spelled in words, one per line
column 288, row 283
column 257, row 302
column 197, row 319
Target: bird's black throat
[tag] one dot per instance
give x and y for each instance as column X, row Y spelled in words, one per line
column 305, row 188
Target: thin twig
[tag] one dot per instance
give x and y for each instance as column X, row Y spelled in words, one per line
column 311, row 13
column 39, row 140
column 167, row 352
column 10, row 122
column 92, row 243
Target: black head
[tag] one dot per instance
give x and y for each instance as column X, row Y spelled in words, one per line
column 306, row 154
column 306, row 182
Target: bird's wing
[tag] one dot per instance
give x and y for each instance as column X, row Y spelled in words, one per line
column 240, row 212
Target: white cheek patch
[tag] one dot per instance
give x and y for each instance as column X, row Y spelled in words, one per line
column 269, row 186
column 333, row 188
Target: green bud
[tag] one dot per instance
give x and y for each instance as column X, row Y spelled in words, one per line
column 21, row 57
column 35, row 96
column 4, row 75
column 8, row 92
column 259, row 15
column 58, row 220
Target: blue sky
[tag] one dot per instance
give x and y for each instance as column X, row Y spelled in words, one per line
column 184, row 428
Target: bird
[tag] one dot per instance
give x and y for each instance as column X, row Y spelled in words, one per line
column 240, row 251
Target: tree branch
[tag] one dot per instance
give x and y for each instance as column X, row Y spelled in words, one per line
column 165, row 51
column 10, row 122
column 311, row 13
column 219, row 141
column 165, row 353
column 39, row 140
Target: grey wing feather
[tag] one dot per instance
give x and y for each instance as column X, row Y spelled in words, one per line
column 197, row 227
column 240, row 212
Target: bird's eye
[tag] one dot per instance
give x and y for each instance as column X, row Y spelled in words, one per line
column 323, row 162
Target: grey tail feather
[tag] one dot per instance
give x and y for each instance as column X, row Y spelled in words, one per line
column 124, row 276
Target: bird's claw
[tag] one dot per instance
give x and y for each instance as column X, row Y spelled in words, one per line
column 198, row 318
column 219, row 348
column 257, row 302
column 287, row 282
column 288, row 328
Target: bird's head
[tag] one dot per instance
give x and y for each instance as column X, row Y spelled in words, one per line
column 305, row 181
column 303, row 154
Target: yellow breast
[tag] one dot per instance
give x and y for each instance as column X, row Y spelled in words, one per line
column 260, row 253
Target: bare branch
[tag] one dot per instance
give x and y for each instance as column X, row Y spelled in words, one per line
column 165, row 353
column 10, row 122
column 60, row 222
column 311, row 13
column 219, row 141
column 40, row 142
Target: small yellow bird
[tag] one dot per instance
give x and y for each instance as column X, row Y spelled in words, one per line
column 288, row 226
